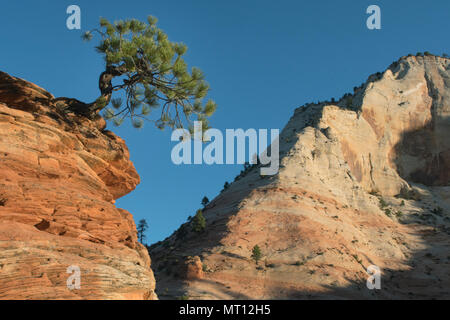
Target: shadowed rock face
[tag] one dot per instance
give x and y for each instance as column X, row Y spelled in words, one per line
column 362, row 182
column 59, row 177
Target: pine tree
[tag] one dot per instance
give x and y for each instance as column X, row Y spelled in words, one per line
column 141, row 228
column 151, row 73
column 205, row 201
column 256, row 253
column 198, row 222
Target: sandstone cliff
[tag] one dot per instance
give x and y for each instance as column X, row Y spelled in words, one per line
column 59, row 177
column 364, row 181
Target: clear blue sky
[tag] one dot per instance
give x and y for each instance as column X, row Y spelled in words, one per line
column 262, row 59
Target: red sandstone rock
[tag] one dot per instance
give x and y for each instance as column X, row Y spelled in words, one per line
column 59, row 177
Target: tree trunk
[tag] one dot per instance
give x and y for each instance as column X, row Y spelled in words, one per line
column 89, row 110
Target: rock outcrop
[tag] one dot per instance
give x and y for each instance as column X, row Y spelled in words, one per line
column 364, row 181
column 59, row 177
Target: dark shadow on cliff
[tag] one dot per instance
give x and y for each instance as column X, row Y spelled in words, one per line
column 422, row 145
column 428, row 276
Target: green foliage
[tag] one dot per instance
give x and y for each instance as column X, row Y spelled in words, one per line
column 182, row 232
column 141, row 228
column 199, row 222
column 355, row 256
column 101, row 102
column 409, row 194
column 205, row 201
column 153, row 74
column 349, row 102
column 383, row 203
column 256, row 253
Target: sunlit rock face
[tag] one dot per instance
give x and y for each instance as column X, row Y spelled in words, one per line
column 59, row 177
column 363, row 181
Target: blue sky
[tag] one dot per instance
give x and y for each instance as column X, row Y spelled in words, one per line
column 262, row 59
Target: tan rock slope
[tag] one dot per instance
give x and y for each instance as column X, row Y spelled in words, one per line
column 364, row 181
column 59, row 177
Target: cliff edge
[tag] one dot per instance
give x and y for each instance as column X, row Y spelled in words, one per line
column 363, row 181
column 59, row 177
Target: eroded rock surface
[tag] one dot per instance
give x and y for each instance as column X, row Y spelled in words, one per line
column 59, row 177
column 364, row 181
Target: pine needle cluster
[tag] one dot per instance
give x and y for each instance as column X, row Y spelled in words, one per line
column 153, row 76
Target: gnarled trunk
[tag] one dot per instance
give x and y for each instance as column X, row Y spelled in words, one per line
column 106, row 88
